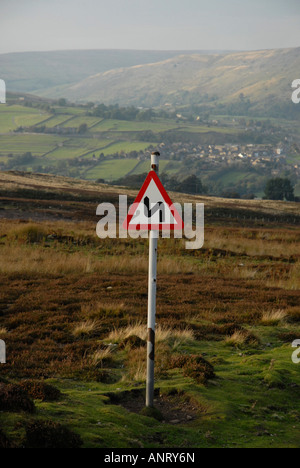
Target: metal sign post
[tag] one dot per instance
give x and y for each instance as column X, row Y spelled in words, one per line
column 153, row 242
column 154, row 211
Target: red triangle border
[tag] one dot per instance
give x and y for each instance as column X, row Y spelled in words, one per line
column 155, row 227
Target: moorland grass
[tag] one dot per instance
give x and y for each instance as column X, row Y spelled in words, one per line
column 66, row 304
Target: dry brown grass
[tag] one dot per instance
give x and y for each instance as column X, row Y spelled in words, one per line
column 273, row 318
column 289, row 282
column 241, row 338
column 162, row 334
column 101, row 356
column 36, row 259
column 86, row 328
column 99, row 309
column 136, row 363
column 254, row 242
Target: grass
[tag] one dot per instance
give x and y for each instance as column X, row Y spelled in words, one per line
column 100, row 356
column 111, row 170
column 85, row 328
column 273, row 317
column 36, row 144
column 69, row 300
column 12, row 117
column 162, row 334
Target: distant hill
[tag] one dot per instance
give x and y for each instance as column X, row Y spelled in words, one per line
column 237, row 83
column 32, row 72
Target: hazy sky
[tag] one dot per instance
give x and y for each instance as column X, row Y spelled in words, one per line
column 28, row 25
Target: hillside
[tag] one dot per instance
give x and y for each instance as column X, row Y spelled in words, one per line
column 217, row 81
column 45, row 197
column 37, row 71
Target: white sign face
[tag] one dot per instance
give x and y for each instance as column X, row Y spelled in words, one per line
column 153, row 209
column 2, row 92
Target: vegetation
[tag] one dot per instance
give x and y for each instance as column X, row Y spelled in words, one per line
column 279, row 189
column 112, row 143
column 73, row 315
column 195, row 83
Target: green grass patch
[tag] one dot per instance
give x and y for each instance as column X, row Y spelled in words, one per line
column 21, row 143
column 111, row 170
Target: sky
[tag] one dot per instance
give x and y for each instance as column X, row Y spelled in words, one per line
column 39, row 25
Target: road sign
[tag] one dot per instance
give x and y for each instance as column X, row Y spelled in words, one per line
column 153, row 209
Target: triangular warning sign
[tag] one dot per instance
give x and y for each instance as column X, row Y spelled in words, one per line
column 153, row 209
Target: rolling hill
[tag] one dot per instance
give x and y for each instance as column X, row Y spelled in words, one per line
column 240, row 83
column 34, row 72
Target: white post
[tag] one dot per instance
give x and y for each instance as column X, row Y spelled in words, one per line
column 153, row 241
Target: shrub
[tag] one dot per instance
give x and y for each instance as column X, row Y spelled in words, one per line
column 14, row 398
column 133, row 342
column 31, row 234
column 40, row 390
column 49, row 434
column 194, row 366
column 242, row 338
column 152, row 413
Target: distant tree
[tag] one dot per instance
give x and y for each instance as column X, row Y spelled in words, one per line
column 82, row 128
column 231, row 194
column 62, row 102
column 279, row 189
column 191, row 184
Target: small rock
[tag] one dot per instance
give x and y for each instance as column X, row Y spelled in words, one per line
column 189, row 418
column 175, row 421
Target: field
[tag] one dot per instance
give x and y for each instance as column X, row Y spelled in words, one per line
column 109, row 170
column 73, row 316
column 70, row 140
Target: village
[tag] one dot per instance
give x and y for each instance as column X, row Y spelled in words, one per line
column 272, row 159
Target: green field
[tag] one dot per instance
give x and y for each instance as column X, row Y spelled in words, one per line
column 143, row 166
column 205, row 129
column 111, row 169
column 55, row 121
column 77, row 121
column 159, row 125
column 126, row 146
column 109, row 137
column 12, row 117
column 37, row 144
column 76, row 147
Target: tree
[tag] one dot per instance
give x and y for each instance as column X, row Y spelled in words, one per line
column 279, row 189
column 82, row 128
column 192, row 184
column 62, row 102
